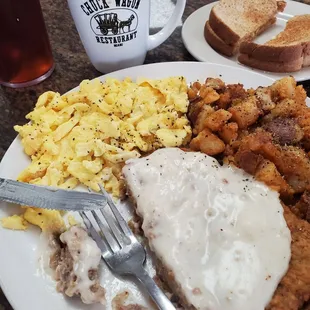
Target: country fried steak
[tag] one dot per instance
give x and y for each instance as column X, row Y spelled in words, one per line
column 266, row 132
column 220, row 238
column 293, row 292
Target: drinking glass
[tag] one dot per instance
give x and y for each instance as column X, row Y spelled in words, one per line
column 25, row 53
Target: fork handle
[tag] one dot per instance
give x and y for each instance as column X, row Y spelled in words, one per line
column 161, row 300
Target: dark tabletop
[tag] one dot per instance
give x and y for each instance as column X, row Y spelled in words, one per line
column 72, row 66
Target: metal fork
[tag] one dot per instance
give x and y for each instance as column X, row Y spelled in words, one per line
column 121, row 250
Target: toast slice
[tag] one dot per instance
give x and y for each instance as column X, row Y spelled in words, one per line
column 234, row 21
column 217, row 43
column 271, row 66
column 289, row 51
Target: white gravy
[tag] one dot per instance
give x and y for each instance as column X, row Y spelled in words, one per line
column 220, row 232
column 86, row 256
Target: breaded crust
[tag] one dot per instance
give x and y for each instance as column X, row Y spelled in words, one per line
column 293, row 292
column 271, row 66
column 168, row 278
column 217, row 43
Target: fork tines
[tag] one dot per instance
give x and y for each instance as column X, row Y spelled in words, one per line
column 116, row 233
column 120, row 248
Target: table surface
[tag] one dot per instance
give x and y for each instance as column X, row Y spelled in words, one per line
column 72, row 66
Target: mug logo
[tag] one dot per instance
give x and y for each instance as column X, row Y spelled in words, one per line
column 113, row 22
column 112, row 25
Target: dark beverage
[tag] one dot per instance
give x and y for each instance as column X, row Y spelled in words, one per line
column 25, row 52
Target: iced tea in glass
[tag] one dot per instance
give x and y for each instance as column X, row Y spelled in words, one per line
column 25, row 53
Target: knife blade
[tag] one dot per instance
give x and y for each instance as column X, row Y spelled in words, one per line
column 49, row 197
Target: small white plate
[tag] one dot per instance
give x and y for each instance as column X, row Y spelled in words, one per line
column 194, row 41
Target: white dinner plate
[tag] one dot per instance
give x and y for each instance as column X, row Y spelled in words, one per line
column 21, row 276
column 194, row 41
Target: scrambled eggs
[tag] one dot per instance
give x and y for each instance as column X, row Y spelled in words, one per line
column 14, row 222
column 85, row 136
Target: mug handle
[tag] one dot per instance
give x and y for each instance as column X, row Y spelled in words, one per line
column 158, row 38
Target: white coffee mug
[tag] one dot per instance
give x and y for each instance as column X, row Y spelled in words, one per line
column 115, row 33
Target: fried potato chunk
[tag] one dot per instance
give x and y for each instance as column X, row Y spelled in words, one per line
column 208, row 94
column 217, row 120
column 200, row 123
column 207, row 143
column 267, row 172
column 245, row 113
column 264, row 95
column 292, row 162
column 285, row 108
column 283, row 88
column 229, row 132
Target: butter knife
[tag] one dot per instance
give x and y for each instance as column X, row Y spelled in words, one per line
column 49, row 197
